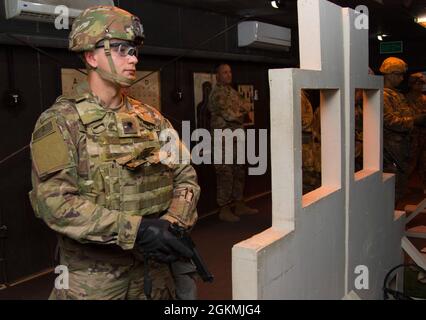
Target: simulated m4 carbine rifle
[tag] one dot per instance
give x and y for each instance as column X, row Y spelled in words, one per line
column 183, row 235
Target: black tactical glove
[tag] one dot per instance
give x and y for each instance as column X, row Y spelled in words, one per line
column 155, row 239
column 420, row 120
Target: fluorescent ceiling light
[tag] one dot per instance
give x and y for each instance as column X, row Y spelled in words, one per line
column 421, row 21
column 380, row 36
column 275, row 4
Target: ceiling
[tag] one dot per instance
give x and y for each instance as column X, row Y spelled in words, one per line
column 392, row 17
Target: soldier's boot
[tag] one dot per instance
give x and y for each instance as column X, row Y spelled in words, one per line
column 226, row 214
column 242, row 209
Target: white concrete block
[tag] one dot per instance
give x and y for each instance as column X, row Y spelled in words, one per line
column 316, row 241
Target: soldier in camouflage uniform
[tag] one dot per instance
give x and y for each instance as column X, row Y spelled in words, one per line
column 311, row 174
column 358, row 129
column 228, row 110
column 399, row 121
column 417, row 101
column 359, row 138
column 97, row 176
column 315, row 174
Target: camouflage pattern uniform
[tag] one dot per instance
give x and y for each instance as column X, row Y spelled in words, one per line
column 358, row 130
column 96, row 174
column 311, row 174
column 398, row 125
column 418, row 103
column 228, row 110
column 359, row 127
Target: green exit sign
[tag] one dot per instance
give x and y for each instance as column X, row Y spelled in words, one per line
column 391, row 47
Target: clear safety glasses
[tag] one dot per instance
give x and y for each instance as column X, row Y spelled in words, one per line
column 122, row 48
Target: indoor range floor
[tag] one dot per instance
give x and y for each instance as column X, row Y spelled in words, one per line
column 214, row 240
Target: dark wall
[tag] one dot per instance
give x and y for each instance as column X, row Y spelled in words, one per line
column 185, row 28
column 169, row 30
column 413, row 53
column 29, row 246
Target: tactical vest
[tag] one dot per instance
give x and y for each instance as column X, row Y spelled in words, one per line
column 121, row 157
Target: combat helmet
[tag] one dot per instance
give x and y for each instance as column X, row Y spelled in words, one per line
column 393, row 64
column 101, row 24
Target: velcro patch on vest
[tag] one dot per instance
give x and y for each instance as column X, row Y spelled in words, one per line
column 127, row 125
column 48, row 149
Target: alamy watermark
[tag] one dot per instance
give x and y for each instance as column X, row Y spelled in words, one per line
column 361, row 17
column 62, row 281
column 229, row 147
column 362, row 280
column 62, row 21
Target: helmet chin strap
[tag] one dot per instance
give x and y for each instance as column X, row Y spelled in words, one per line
column 113, row 76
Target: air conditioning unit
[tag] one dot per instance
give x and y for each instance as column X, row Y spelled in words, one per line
column 255, row 34
column 45, row 10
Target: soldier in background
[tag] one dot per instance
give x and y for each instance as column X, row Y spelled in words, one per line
column 228, row 111
column 97, row 178
column 311, row 152
column 359, row 101
column 417, row 101
column 359, row 126
column 398, row 124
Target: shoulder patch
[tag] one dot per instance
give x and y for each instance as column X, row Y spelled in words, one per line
column 48, row 149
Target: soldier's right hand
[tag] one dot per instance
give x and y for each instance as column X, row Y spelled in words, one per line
column 155, row 239
column 420, row 120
